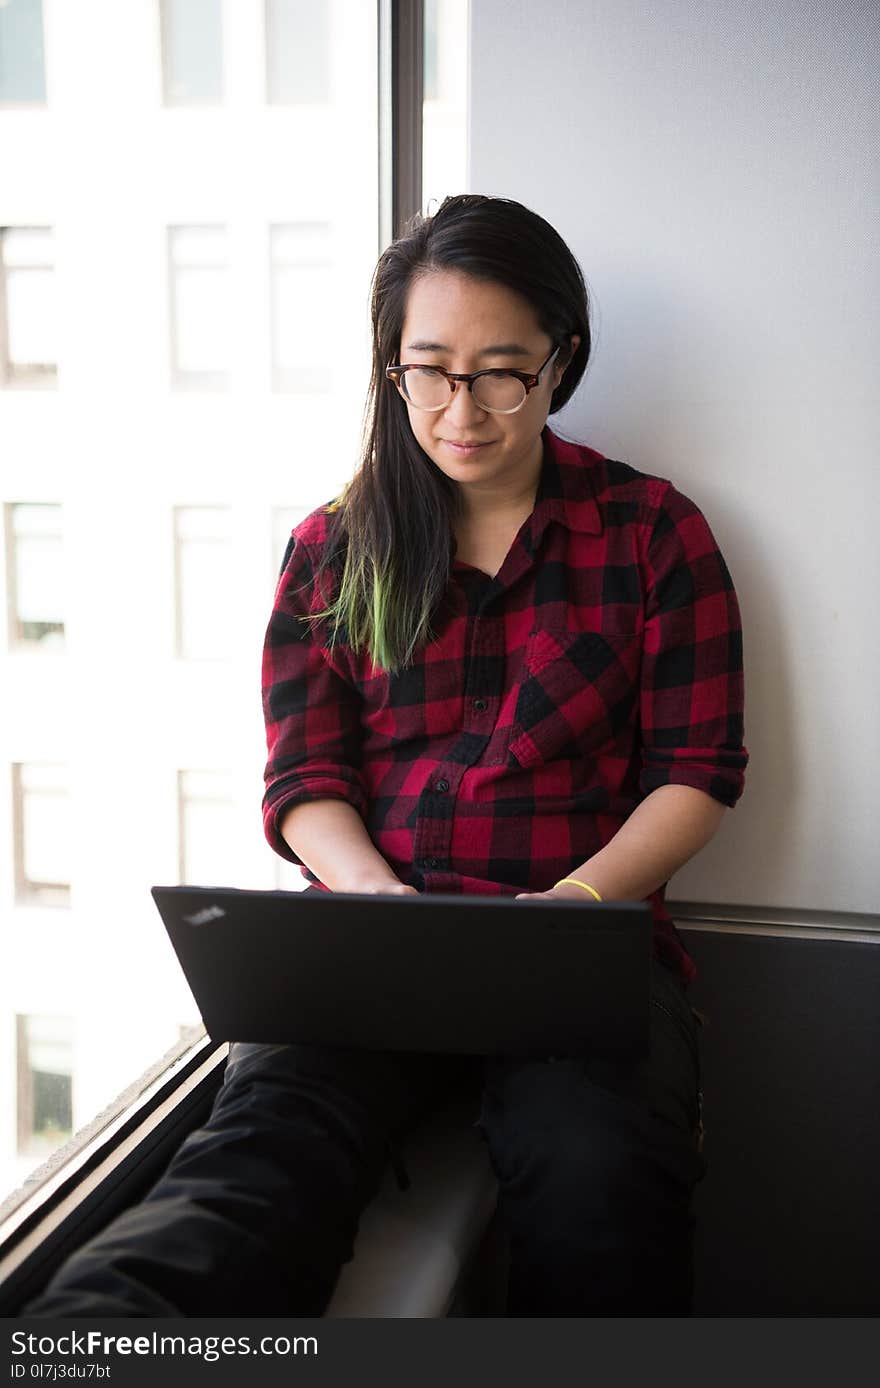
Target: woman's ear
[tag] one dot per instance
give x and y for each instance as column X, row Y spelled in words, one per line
column 566, row 352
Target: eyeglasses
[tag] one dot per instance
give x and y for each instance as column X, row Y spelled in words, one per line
column 498, row 392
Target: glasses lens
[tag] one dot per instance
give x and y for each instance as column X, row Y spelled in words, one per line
column 424, row 388
column 502, row 393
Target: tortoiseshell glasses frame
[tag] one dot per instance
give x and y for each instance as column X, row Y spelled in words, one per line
column 527, row 379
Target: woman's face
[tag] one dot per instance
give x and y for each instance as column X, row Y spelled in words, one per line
column 464, row 324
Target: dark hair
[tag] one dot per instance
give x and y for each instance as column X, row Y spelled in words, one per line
column 390, row 541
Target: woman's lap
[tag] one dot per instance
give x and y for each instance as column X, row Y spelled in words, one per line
column 596, row 1163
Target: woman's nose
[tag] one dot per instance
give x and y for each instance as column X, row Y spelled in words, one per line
column 463, row 408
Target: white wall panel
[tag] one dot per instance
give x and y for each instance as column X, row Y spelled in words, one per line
column 713, row 165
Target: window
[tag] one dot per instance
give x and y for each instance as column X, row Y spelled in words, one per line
column 192, row 52
column 444, row 110
column 199, row 307
column 35, row 575
column 22, row 66
column 302, row 289
column 44, row 1047
column 297, row 52
column 284, row 519
column 171, row 466
column 206, row 821
column 41, row 832
column 28, row 354
column 431, row 84
column 203, row 588
column 287, row 876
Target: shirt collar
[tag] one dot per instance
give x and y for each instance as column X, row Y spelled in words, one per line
column 565, row 491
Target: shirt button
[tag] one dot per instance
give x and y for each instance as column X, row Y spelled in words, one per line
column 442, row 785
column 480, row 705
column 430, row 862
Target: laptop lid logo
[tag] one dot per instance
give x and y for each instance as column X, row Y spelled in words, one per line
column 210, row 913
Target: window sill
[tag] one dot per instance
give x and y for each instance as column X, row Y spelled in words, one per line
column 104, row 1167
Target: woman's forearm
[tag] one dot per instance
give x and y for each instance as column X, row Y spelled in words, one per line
column 660, row 836
column 330, row 837
column 668, row 828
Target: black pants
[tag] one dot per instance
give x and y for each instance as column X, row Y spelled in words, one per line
column 258, row 1210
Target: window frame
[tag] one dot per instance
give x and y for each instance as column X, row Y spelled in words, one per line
column 401, row 97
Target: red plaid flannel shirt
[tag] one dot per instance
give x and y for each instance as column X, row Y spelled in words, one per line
column 602, row 661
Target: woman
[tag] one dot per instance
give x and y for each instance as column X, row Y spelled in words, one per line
column 500, row 663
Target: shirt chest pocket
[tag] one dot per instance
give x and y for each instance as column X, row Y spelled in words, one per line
column 579, row 693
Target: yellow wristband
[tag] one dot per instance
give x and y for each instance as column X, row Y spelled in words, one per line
column 578, row 883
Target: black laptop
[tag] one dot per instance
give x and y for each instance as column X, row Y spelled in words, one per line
column 478, row 975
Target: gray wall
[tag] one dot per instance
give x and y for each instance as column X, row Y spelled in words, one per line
column 713, row 165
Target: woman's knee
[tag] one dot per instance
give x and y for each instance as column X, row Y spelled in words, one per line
column 560, row 1139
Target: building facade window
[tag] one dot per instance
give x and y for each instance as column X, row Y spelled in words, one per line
column 284, row 519
column 199, row 307
column 206, row 833
column 192, row 52
column 444, row 109
column 35, row 580
column 44, row 1051
column 301, row 289
column 28, row 350
column 297, row 52
column 203, row 587
column 430, row 71
column 22, row 60
column 41, row 830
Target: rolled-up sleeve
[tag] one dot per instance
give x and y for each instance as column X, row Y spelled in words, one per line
column 692, row 666
column 311, row 711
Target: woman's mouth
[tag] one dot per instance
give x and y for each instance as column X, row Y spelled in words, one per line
column 464, row 450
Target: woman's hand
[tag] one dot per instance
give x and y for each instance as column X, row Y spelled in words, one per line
column 566, row 891
column 330, row 837
column 387, row 889
column 662, row 833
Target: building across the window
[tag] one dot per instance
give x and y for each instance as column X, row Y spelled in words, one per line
column 44, row 1050
column 197, row 260
column 35, row 575
column 302, row 288
column 203, row 581
column 192, row 52
column 149, row 493
column 41, row 834
column 206, row 819
column 28, row 351
column 284, row 521
column 297, row 52
column 444, row 112
column 22, row 61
